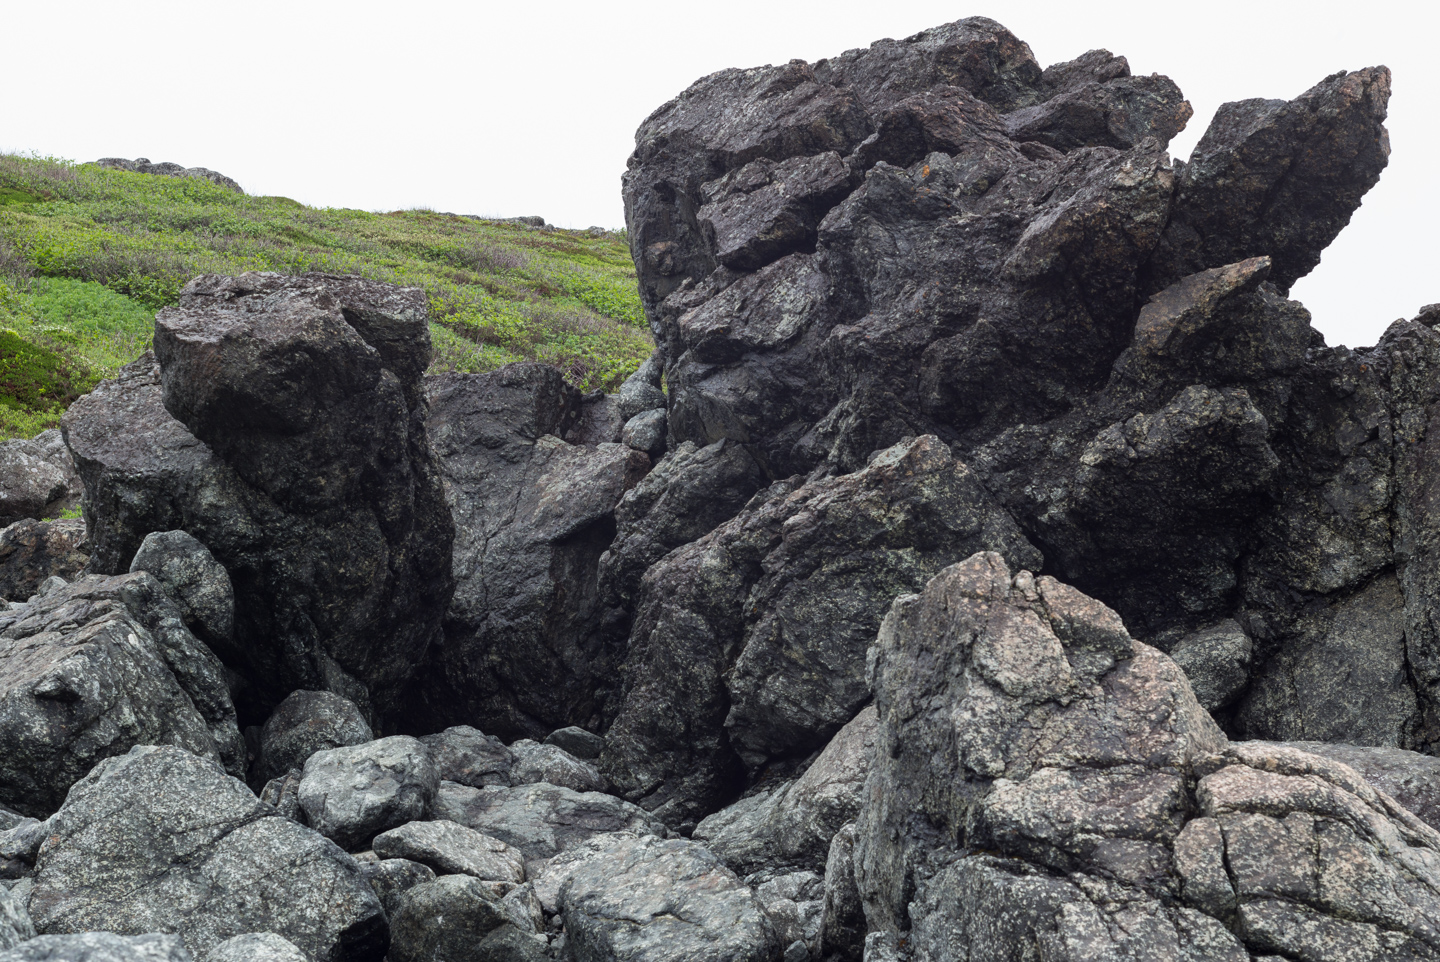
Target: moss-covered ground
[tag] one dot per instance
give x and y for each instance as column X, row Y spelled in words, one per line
column 87, row 256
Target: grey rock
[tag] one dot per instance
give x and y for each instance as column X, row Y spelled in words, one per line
column 793, row 825
column 1216, row 660
column 641, row 390
column 32, row 551
column 142, row 165
column 15, row 924
column 91, row 669
column 794, row 902
column 452, row 849
column 523, row 908
column 392, row 876
column 256, row 947
column 30, row 485
column 842, row 925
column 600, row 421
column 535, row 762
column 470, row 757
column 1059, row 814
column 281, row 423
column 541, row 820
column 647, row 899
column 575, row 741
column 1409, row 778
column 354, row 793
column 1342, row 677
column 21, row 842
column 192, row 576
column 749, row 644
column 304, row 723
column 99, row 947
column 283, row 792
column 453, row 919
column 9, row 819
column 646, row 432
column 160, row 838
column 533, row 514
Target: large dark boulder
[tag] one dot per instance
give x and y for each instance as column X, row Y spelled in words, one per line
column 159, row 839
column 1043, row 782
column 533, row 514
column 749, row 643
column 281, row 423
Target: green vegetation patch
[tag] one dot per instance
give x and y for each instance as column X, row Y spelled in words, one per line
column 87, row 255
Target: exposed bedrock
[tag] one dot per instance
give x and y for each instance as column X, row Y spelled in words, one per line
column 1041, row 779
column 280, row 422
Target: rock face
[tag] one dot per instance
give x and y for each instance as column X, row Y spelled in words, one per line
column 533, row 514
column 280, row 422
column 89, row 670
column 190, row 574
column 646, row 899
column 100, row 947
column 32, row 551
column 749, row 643
column 1410, row 778
column 159, row 839
column 1042, row 780
column 142, row 165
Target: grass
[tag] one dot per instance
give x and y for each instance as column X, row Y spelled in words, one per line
column 88, row 255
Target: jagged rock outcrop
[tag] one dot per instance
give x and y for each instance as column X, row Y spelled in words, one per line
column 91, row 669
column 533, row 514
column 749, row 643
column 1043, row 781
column 281, row 423
column 142, row 165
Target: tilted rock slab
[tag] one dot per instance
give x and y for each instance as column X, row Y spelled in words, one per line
column 1042, row 781
column 162, row 840
column 281, row 421
column 749, row 643
column 92, row 669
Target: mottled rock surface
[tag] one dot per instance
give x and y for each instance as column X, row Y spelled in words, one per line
column 456, row 919
column 452, row 849
column 32, row 551
column 33, row 484
column 100, row 947
column 354, row 793
column 470, row 757
column 304, row 723
column 535, row 762
column 281, row 422
column 255, row 947
column 1410, row 778
column 190, row 574
column 162, row 840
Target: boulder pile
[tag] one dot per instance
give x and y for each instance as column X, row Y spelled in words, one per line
column 991, row 563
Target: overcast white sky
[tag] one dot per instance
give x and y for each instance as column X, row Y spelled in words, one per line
column 530, row 108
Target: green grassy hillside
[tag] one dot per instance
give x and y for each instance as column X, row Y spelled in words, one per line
column 88, row 255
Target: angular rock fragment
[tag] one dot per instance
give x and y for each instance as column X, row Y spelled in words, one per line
column 842, row 926
column 30, row 485
column 456, row 919
column 160, row 839
column 577, row 742
column 646, row 899
column 452, row 849
column 392, row 877
column 1409, row 778
column 32, row 551
column 15, row 924
column 470, row 757
column 283, row 423
column 354, row 793
column 304, row 723
column 191, row 575
column 550, row 763
column 94, row 668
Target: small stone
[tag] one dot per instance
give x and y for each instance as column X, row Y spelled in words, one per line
column 646, row 432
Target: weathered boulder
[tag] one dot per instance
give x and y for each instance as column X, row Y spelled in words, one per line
column 457, row 919
column 452, row 849
column 159, row 839
column 792, row 825
column 32, row 483
column 281, row 423
column 91, row 669
column 647, row 899
column 256, row 947
column 354, row 793
column 646, row 432
column 100, row 947
column 15, row 924
column 842, row 924
column 794, row 902
column 577, row 742
column 191, row 575
column 533, row 514
column 32, row 551
column 470, row 757
column 535, row 762
column 749, row 643
column 391, row 877
column 304, row 723
column 541, row 820
column 1042, row 782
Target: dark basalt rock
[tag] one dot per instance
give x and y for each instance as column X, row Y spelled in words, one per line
column 32, row 551
column 749, row 643
column 282, row 422
column 305, row 723
column 533, row 514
